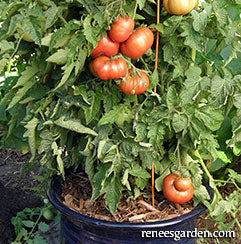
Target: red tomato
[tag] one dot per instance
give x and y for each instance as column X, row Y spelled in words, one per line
column 91, row 69
column 109, row 69
column 134, row 83
column 177, row 195
column 105, row 47
column 121, row 29
column 179, row 7
column 182, row 183
column 138, row 43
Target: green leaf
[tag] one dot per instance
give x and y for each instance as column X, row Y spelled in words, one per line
column 193, row 39
column 201, row 193
column 172, row 98
column 60, row 161
column 51, row 15
column 140, row 172
column 193, row 87
column 80, row 62
column 99, row 179
column 89, row 31
column 6, row 46
column 27, row 74
column 158, row 27
column 200, row 20
column 223, row 156
column 179, row 122
column 234, row 175
column 43, row 227
column 217, row 165
column 21, row 93
column 141, row 4
column 38, row 239
column 74, row 125
column 221, row 89
column 210, row 116
column 30, row 133
column 154, row 80
column 33, row 27
column 109, row 117
column 60, row 57
column 67, row 71
column 28, row 223
column 156, row 134
column 141, row 132
column 141, row 182
column 90, row 113
column 193, row 72
column 113, row 193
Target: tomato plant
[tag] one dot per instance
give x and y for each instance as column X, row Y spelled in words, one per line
column 189, row 115
column 179, row 7
column 105, row 47
column 177, row 189
column 138, row 43
column 121, row 29
column 134, row 83
column 106, row 69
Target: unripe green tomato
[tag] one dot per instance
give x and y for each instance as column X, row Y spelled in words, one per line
column 48, row 214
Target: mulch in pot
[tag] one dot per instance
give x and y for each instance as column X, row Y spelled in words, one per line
column 76, row 195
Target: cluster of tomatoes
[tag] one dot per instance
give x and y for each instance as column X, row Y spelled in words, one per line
column 108, row 65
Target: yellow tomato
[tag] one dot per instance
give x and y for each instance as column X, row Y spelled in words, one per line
column 179, row 7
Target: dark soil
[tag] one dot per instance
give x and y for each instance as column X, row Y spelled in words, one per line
column 14, row 195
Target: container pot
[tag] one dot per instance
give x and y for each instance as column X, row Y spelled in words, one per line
column 79, row 229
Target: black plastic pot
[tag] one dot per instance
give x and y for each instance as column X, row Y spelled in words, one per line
column 80, row 229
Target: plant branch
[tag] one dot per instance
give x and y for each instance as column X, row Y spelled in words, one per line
column 63, row 19
column 193, row 56
column 213, row 185
column 15, row 50
column 134, row 12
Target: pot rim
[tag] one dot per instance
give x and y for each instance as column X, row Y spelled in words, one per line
column 55, row 201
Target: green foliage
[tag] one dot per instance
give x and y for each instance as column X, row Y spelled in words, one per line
column 71, row 117
column 30, row 223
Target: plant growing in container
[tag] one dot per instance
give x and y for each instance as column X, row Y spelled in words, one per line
column 128, row 112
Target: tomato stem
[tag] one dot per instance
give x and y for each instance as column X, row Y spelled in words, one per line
column 214, row 186
column 14, row 52
column 134, row 12
column 193, row 56
column 63, row 19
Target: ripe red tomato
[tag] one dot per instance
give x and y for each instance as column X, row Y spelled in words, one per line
column 138, row 43
column 182, row 183
column 134, row 83
column 178, row 192
column 91, row 69
column 179, row 7
column 105, row 47
column 109, row 69
column 121, row 29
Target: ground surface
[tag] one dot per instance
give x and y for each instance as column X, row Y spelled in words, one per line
column 14, row 197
